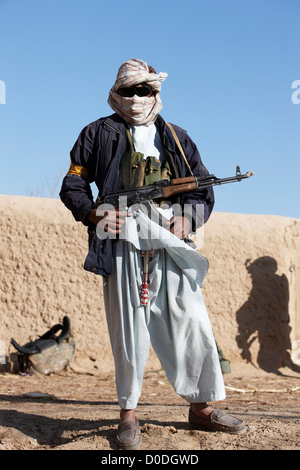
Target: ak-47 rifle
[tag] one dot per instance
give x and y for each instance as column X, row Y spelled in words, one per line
column 167, row 189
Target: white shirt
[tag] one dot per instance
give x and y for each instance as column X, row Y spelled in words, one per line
column 147, row 140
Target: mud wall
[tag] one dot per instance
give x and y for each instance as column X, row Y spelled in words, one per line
column 250, row 290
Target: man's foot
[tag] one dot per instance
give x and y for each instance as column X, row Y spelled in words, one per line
column 128, row 434
column 208, row 419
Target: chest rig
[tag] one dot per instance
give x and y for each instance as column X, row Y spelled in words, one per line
column 136, row 171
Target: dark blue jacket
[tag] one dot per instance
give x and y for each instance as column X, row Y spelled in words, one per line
column 99, row 149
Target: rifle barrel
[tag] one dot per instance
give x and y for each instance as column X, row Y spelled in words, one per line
column 212, row 180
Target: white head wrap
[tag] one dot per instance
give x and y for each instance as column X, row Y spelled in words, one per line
column 137, row 110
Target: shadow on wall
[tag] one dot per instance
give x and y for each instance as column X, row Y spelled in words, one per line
column 265, row 317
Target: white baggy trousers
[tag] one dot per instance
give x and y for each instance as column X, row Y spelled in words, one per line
column 175, row 319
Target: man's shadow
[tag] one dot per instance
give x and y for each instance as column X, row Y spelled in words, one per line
column 265, row 317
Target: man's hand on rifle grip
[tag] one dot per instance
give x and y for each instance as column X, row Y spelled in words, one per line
column 180, row 226
column 115, row 219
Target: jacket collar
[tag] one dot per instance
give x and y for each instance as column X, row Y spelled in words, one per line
column 114, row 122
column 166, row 135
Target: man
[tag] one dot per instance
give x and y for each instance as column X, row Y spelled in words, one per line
column 130, row 148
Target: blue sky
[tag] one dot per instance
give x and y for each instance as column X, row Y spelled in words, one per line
column 230, row 63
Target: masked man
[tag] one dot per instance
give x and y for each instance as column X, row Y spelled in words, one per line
column 152, row 284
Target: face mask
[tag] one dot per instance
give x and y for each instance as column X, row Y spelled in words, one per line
column 136, row 110
column 139, row 108
column 142, row 110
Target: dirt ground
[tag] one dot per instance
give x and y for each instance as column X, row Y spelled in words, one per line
column 69, row 411
column 254, row 270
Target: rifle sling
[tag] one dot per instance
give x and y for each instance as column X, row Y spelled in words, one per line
column 179, row 146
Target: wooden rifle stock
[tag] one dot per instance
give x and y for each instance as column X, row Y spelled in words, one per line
column 188, row 179
column 174, row 189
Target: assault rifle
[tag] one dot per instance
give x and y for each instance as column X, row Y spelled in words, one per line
column 166, row 189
